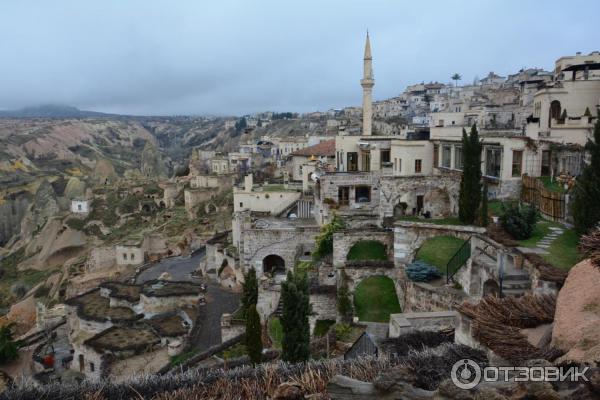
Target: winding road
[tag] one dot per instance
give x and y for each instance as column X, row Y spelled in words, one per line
column 207, row 333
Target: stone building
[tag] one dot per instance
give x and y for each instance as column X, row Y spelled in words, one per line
column 80, row 206
column 118, row 321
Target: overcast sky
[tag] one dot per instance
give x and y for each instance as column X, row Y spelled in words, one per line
column 234, row 57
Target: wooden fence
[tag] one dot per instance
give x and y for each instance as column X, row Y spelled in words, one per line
column 552, row 204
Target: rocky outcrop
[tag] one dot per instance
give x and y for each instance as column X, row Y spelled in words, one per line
column 577, row 316
column 12, row 212
column 104, row 172
column 75, row 188
column 44, row 206
column 152, row 165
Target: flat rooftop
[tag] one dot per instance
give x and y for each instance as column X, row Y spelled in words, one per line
column 123, row 291
column 170, row 325
column 116, row 338
column 92, row 306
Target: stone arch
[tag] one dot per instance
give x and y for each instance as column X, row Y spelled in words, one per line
column 400, row 208
column 273, row 265
column 210, row 208
column 368, row 249
column 491, row 288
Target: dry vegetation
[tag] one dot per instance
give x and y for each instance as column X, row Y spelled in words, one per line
column 497, row 323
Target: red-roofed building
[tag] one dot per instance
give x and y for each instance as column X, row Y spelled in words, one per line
column 323, row 152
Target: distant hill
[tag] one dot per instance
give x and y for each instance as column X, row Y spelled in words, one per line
column 52, row 111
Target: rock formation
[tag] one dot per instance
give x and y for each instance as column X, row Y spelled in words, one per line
column 577, row 319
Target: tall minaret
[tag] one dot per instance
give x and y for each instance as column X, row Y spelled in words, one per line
column 367, row 83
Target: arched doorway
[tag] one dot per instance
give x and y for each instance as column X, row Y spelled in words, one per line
column 273, row 265
column 491, row 288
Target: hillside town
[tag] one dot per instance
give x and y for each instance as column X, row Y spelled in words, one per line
column 446, row 223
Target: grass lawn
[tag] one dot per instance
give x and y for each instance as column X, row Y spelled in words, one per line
column 542, row 228
column 375, row 299
column 367, row 250
column 438, row 250
column 276, row 332
column 438, row 221
column 563, row 251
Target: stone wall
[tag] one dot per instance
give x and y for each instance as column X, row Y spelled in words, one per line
column 230, row 328
column 259, row 243
column 343, row 242
column 324, row 306
column 100, row 258
column 422, row 321
column 440, row 194
column 423, row 297
column 156, row 305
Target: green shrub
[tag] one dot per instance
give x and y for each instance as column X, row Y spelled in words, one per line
column 75, row 223
column 343, row 332
column 519, row 221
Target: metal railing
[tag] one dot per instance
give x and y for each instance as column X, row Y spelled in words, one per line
column 459, row 259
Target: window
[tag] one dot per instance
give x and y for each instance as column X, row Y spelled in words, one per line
column 241, row 204
column 446, row 156
column 395, row 164
column 124, row 256
column 362, row 194
column 385, row 157
column 546, row 163
column 352, row 161
column 458, row 157
column 366, row 161
column 131, row 257
column 418, row 166
column 79, row 207
column 344, row 195
column 92, row 367
column 493, row 160
column 517, row 161
column 436, row 155
column 399, row 165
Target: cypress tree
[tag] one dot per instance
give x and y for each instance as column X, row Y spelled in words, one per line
column 470, row 183
column 294, row 319
column 586, row 194
column 254, row 346
column 483, row 210
column 249, row 290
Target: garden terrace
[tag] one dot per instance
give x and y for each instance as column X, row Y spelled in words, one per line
column 135, row 338
column 169, row 325
column 92, row 306
column 123, row 291
column 171, row 288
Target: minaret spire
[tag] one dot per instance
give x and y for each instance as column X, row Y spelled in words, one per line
column 367, row 83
